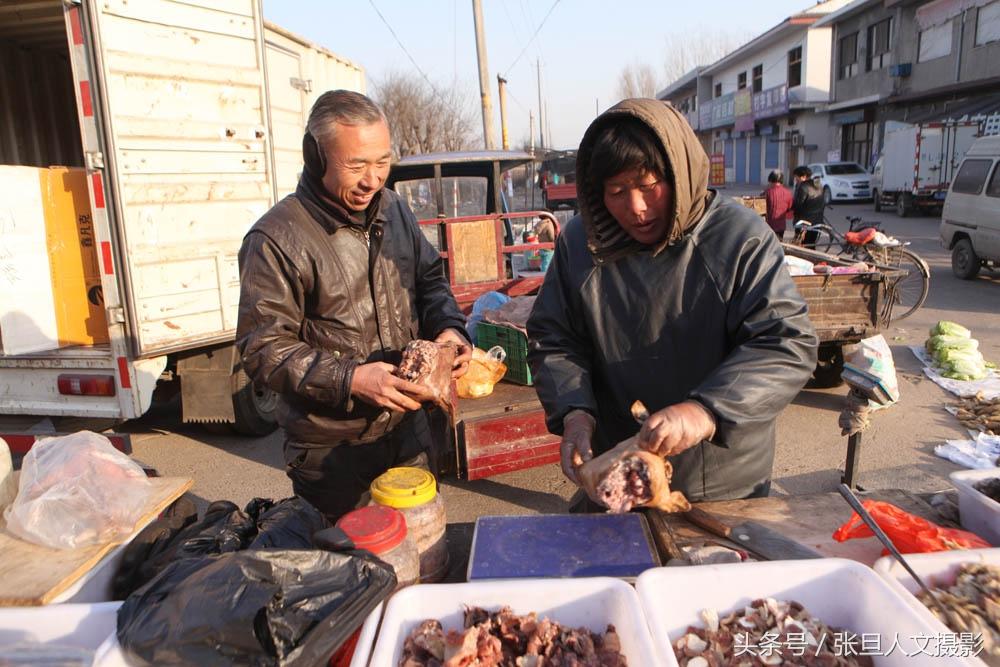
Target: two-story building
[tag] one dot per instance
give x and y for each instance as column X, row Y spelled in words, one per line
column 911, row 61
column 755, row 106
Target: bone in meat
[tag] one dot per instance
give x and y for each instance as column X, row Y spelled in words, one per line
column 429, row 364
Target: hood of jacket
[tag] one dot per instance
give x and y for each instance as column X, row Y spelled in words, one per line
column 688, row 166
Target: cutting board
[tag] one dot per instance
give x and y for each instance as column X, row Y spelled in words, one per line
column 561, row 545
column 32, row 575
column 808, row 519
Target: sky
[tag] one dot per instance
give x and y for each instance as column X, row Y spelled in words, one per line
column 582, row 45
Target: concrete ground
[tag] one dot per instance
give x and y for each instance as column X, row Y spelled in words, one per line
column 897, row 449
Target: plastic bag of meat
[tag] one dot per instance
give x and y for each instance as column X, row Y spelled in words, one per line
column 77, row 490
column 429, row 364
column 628, row 476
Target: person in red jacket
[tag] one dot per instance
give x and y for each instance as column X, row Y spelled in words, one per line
column 779, row 202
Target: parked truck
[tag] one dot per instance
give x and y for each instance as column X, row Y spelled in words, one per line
column 187, row 120
column 917, row 164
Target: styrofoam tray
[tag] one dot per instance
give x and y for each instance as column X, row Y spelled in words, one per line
column 980, row 514
column 841, row 593
column 589, row 602
column 84, row 626
column 935, row 569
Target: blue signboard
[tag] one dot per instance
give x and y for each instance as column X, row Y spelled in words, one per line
column 770, row 102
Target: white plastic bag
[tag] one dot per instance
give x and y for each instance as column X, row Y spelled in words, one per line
column 874, row 356
column 75, row 491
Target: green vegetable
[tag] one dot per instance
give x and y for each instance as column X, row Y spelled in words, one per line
column 946, row 328
column 937, row 344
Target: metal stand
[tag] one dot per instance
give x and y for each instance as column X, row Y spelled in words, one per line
column 864, row 387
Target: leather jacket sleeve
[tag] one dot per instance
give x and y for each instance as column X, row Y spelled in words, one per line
column 436, row 304
column 267, row 332
column 774, row 343
column 560, row 357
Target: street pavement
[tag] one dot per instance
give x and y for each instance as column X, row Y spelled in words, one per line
column 897, row 450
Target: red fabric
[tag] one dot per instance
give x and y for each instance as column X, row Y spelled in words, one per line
column 779, row 205
column 861, row 238
column 911, row 534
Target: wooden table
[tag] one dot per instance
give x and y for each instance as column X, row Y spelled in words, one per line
column 31, row 574
column 808, row 519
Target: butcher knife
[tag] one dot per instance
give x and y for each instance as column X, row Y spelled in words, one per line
column 761, row 540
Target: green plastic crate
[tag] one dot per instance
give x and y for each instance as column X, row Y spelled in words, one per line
column 514, row 343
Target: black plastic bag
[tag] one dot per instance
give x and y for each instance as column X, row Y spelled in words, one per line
column 140, row 555
column 287, row 608
column 289, row 524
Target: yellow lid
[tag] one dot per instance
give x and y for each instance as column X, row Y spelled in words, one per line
column 404, row 487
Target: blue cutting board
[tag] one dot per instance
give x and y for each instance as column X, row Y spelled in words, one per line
column 561, row 545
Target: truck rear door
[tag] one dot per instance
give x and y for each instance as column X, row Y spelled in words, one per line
column 183, row 103
column 930, row 157
column 961, row 138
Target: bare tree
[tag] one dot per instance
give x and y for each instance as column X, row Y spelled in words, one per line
column 637, row 80
column 422, row 118
column 685, row 51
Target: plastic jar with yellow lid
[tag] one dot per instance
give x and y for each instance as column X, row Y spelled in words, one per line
column 413, row 491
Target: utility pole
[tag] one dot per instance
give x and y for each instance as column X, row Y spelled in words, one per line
column 504, row 139
column 531, row 175
column 541, row 112
column 484, row 77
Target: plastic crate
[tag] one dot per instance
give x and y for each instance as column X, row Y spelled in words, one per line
column 514, row 343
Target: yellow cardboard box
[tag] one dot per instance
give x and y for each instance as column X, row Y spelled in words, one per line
column 76, row 274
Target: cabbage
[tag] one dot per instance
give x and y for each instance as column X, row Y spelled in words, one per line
column 947, row 356
column 946, row 328
column 936, row 344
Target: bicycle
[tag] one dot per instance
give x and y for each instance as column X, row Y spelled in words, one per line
column 909, row 292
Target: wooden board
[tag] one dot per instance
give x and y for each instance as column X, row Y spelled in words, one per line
column 32, row 575
column 472, row 253
column 809, row 519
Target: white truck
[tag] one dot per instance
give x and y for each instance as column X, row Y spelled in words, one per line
column 917, row 164
column 188, row 118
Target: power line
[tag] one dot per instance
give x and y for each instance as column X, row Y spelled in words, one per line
column 400, row 43
column 537, row 30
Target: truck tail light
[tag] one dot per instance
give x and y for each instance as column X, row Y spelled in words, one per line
column 86, row 385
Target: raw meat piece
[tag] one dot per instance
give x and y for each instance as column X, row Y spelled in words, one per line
column 628, row 476
column 425, row 646
column 429, row 364
column 504, row 639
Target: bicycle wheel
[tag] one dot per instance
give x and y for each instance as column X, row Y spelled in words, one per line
column 911, row 290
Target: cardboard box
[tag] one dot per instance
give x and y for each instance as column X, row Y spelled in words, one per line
column 49, row 272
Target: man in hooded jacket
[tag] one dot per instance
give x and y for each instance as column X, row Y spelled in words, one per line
column 335, row 280
column 663, row 291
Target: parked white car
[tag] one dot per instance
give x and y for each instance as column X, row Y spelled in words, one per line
column 842, row 181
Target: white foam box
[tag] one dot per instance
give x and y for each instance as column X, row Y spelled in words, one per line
column 980, row 514
column 83, row 626
column 841, row 593
column 937, row 570
column 587, row 602
column 366, row 640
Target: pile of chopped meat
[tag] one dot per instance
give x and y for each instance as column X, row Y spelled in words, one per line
column 989, row 488
column 430, row 364
column 504, row 639
column 767, row 632
column 973, row 606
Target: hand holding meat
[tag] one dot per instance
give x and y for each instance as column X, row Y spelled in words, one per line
column 574, row 450
column 676, row 428
column 376, row 383
column 463, row 354
column 430, row 365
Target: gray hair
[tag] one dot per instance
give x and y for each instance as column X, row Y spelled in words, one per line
column 341, row 106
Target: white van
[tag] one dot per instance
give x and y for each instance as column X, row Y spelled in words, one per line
column 970, row 221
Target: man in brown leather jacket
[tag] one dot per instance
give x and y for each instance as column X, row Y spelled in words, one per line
column 336, row 279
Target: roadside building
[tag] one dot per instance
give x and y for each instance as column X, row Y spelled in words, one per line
column 756, row 105
column 683, row 94
column 907, row 61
